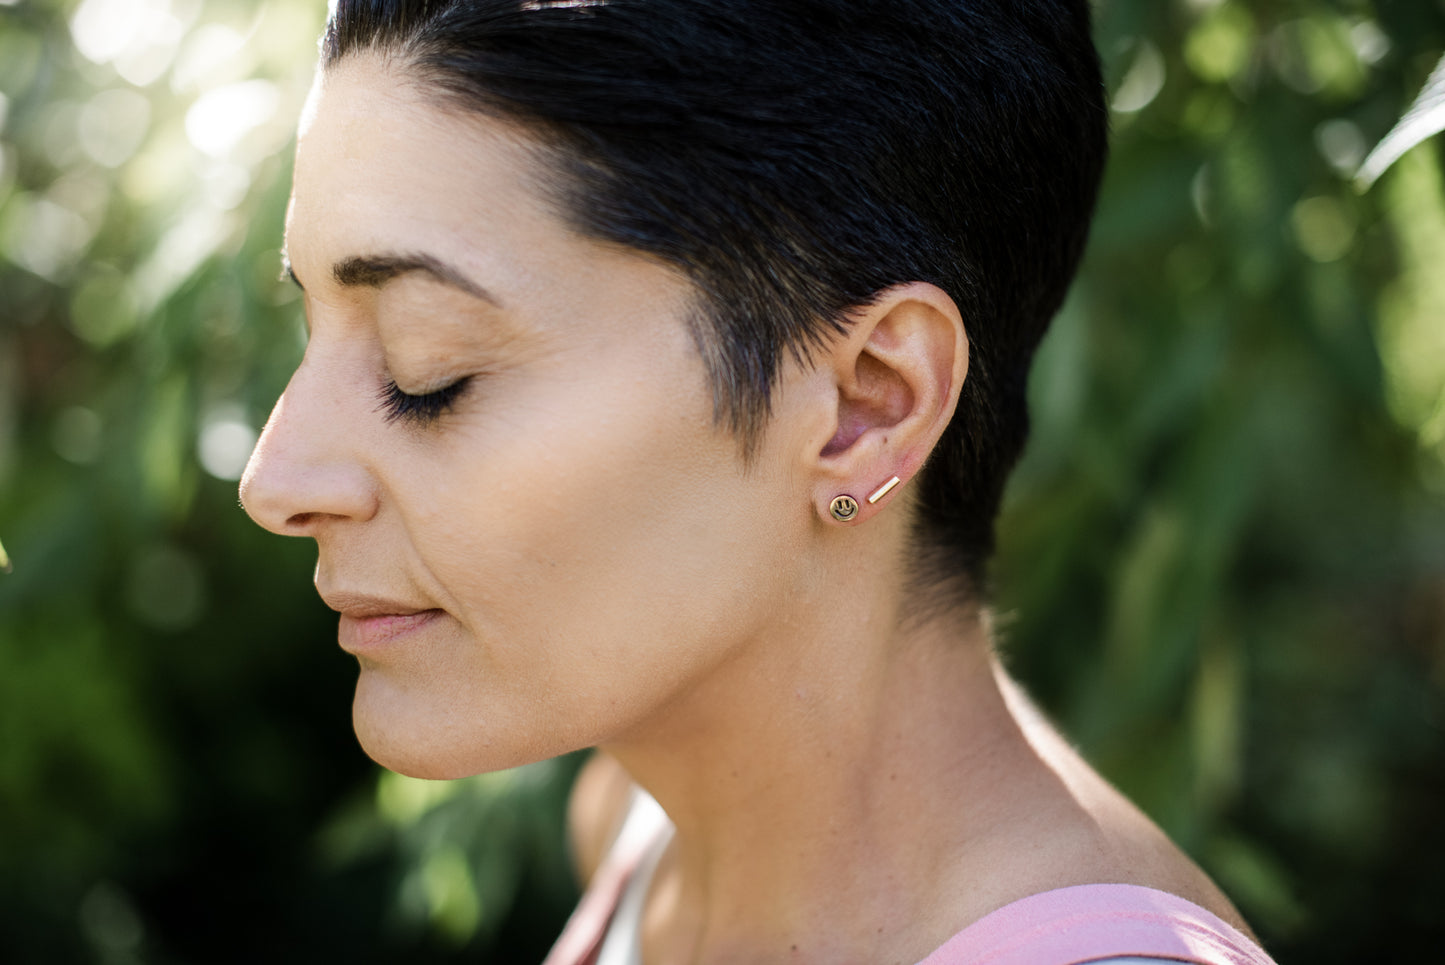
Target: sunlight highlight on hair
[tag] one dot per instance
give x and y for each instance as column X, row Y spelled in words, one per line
column 563, row 4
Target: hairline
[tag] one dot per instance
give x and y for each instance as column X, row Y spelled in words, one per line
column 564, row 194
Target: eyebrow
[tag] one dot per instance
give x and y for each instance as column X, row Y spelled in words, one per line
column 374, row 271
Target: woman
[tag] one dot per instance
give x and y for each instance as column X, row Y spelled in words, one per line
column 667, row 361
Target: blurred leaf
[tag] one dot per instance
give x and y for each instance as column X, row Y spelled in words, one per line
column 1425, row 118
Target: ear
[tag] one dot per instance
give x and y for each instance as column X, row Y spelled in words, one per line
column 897, row 375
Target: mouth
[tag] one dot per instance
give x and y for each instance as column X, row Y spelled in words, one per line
column 371, row 622
column 359, row 634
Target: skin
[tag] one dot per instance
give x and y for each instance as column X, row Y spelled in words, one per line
column 590, row 563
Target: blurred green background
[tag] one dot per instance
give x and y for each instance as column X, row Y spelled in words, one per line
column 1223, row 562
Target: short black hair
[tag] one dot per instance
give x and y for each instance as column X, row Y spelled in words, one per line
column 794, row 158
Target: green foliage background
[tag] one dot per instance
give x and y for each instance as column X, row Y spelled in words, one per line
column 1223, row 562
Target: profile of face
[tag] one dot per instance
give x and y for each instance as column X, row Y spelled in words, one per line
column 502, row 439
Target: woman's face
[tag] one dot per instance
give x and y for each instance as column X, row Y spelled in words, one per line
column 501, row 438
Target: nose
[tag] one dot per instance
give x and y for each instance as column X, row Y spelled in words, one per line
column 308, row 469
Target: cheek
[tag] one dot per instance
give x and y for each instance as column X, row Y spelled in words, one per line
column 601, row 548
column 596, row 535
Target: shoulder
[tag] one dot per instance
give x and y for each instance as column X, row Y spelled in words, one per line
column 1117, row 842
column 598, row 805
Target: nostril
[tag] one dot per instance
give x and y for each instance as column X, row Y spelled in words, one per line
column 302, row 521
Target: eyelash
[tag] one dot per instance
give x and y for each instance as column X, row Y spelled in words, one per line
column 422, row 409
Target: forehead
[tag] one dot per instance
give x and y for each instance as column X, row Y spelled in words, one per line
column 379, row 167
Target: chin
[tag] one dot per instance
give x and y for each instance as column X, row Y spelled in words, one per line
column 431, row 743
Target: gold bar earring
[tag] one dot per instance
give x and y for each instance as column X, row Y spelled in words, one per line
column 882, row 490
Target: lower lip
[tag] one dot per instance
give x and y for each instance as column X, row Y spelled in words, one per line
column 366, row 634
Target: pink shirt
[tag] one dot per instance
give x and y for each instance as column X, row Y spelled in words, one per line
column 1087, row 923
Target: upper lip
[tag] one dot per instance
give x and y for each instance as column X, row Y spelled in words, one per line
column 363, row 605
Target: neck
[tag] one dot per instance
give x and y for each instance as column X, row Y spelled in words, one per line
column 835, row 790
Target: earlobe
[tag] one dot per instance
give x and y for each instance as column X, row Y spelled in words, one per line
column 844, row 508
column 897, row 373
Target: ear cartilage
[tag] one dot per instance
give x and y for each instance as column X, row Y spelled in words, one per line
column 883, row 490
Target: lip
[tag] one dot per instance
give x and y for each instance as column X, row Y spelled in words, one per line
column 361, row 634
column 370, row 622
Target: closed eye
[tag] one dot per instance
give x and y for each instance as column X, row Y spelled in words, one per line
column 420, row 410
